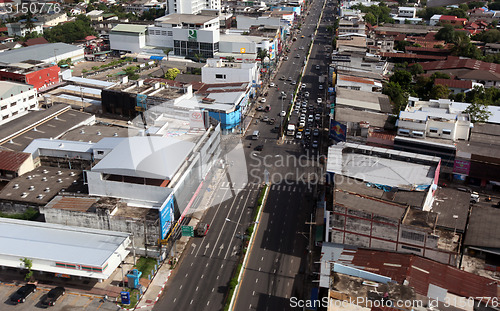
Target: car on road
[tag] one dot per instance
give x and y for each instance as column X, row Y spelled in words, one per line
column 303, row 86
column 315, row 144
column 52, row 296
column 307, row 132
column 298, row 135
column 282, row 113
column 271, row 121
column 289, row 79
column 317, row 117
column 320, row 86
column 259, row 148
column 283, row 96
column 286, row 58
column 293, row 82
column 304, row 110
column 272, row 84
column 301, row 48
column 318, row 67
column 282, row 78
column 297, row 56
column 265, row 119
column 296, row 109
column 310, row 118
column 304, row 105
column 306, row 94
column 260, row 108
column 302, row 36
column 316, row 133
column 22, row 293
column 263, row 100
column 319, row 100
column 302, row 124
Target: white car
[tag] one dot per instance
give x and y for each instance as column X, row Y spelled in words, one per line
column 301, row 48
column 263, row 100
column 272, row 84
column 319, row 100
column 310, row 118
column 299, row 135
column 320, row 86
column 304, row 110
column 315, row 144
column 293, row 82
column 317, row 67
column 304, row 105
column 302, row 124
column 283, row 113
column 306, row 94
column 303, row 86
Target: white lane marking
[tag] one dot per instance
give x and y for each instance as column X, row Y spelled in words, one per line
column 180, row 287
column 208, row 302
column 223, row 225
column 196, row 289
column 175, row 299
column 256, row 280
column 191, row 302
column 236, row 228
column 213, row 289
column 202, row 276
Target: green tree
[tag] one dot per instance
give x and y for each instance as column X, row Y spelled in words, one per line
column 172, row 73
column 397, row 95
column 27, row 264
column 71, row 31
column 370, row 18
column 416, row 69
column 439, row 91
column 403, row 78
column 490, row 36
column 166, row 51
column 447, row 33
column 478, row 112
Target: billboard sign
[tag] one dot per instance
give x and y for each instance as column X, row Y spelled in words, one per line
column 196, row 119
column 167, row 215
column 125, row 296
column 461, row 167
column 337, row 131
column 192, row 34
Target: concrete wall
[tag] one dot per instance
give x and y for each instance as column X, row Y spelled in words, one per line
column 144, row 232
column 130, row 43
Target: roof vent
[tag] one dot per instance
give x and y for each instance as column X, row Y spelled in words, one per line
column 115, row 134
column 40, row 196
column 72, row 174
column 16, row 186
column 61, row 145
column 98, row 133
column 47, row 189
column 31, row 188
column 82, row 131
column 29, row 177
column 45, row 171
column 44, row 178
column 59, row 173
column 24, row 194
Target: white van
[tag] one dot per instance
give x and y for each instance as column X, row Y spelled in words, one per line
column 255, row 135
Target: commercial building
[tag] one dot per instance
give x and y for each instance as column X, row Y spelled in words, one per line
column 45, row 53
column 192, row 7
column 186, row 34
column 422, row 119
column 219, row 71
column 381, row 200
column 62, row 250
column 15, row 100
column 128, row 37
column 21, row 29
column 39, row 75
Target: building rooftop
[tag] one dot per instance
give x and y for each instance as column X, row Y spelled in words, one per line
column 49, row 123
column 90, row 82
column 58, row 243
column 408, row 29
column 178, row 19
column 483, row 229
column 454, row 62
column 449, row 202
column 58, row 144
column 9, row 88
column 452, row 83
column 39, row 52
column 11, row 160
column 146, row 157
column 344, row 114
column 130, row 28
column 42, row 184
column 417, row 272
column 97, row 132
column 364, row 100
column 397, row 169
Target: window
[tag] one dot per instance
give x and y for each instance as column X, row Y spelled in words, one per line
column 356, row 88
column 418, row 133
column 412, row 236
column 3, row 107
column 31, row 97
column 433, row 130
column 5, row 117
column 100, row 152
column 446, row 132
column 13, row 104
column 411, row 248
column 170, row 33
column 163, row 33
column 403, row 132
column 14, row 113
column 220, row 76
column 32, row 107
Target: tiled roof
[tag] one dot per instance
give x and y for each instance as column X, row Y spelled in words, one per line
column 453, row 62
column 451, row 18
column 355, row 79
column 411, row 56
column 422, row 49
column 11, row 160
column 458, row 84
column 35, row 41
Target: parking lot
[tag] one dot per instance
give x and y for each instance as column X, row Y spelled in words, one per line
column 70, row 301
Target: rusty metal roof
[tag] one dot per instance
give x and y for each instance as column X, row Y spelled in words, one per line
column 11, row 160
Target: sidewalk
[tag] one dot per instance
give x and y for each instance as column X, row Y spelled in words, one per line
column 155, row 289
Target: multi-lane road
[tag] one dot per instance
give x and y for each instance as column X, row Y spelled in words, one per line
column 277, row 266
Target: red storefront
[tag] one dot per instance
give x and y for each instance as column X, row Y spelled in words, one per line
column 39, row 77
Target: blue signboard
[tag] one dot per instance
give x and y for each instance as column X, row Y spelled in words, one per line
column 167, row 215
column 141, row 100
column 125, row 298
column 337, row 131
column 331, row 90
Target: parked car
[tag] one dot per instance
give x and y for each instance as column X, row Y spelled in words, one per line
column 299, row 135
column 282, row 78
column 318, row 67
column 267, row 109
column 259, row 148
column 283, row 113
column 317, row 117
column 319, row 100
column 302, row 124
column 304, row 110
column 307, row 132
column 310, row 118
column 272, row 84
column 22, row 293
column 265, row 119
column 303, row 86
column 293, row 82
column 52, row 296
column 260, row 108
column 289, row 79
column 271, row 121
column 306, row 94
column 263, row 100
column 320, row 86
column 286, row 58
column 316, row 133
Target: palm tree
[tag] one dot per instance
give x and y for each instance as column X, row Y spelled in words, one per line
column 166, row 51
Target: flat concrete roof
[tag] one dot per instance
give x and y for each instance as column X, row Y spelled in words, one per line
column 370, row 205
column 449, row 202
column 483, row 229
column 39, row 52
column 97, row 132
column 58, row 243
column 8, row 88
column 176, row 18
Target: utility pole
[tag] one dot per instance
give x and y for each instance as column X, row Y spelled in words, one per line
column 310, row 247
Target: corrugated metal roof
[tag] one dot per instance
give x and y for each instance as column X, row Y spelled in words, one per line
column 419, row 272
column 11, row 160
column 453, row 62
column 459, row 84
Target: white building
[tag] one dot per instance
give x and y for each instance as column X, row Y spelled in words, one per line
column 128, row 38
column 20, row 29
column 62, row 250
column 409, row 12
column 358, row 83
column 352, row 25
column 186, row 34
column 245, row 22
column 192, row 6
column 217, row 71
column 15, row 100
column 247, row 47
column 45, row 53
column 433, row 119
column 434, row 20
column 141, row 6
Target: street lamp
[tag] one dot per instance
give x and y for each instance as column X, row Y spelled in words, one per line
column 121, row 261
column 456, row 219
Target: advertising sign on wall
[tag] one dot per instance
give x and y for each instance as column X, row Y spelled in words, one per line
column 461, row 167
column 167, row 215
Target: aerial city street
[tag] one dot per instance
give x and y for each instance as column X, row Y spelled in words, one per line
column 235, row 155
